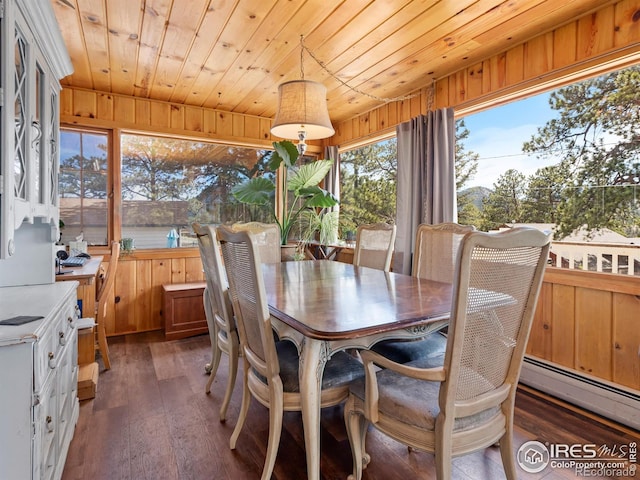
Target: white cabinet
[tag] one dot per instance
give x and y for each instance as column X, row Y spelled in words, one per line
column 38, row 372
column 34, row 58
column 39, row 378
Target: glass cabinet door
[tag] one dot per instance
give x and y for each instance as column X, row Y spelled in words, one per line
column 33, row 59
column 20, row 116
column 37, row 140
column 54, row 132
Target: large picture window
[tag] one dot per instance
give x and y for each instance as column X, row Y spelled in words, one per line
column 168, row 183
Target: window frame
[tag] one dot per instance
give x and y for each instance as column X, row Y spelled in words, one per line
column 114, row 166
column 110, row 178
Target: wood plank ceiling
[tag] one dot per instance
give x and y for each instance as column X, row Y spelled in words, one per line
column 232, row 54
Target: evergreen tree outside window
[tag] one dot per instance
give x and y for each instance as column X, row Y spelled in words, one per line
column 82, row 185
column 168, row 183
column 368, row 185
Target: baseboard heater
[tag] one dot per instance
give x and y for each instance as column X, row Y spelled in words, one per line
column 604, row 398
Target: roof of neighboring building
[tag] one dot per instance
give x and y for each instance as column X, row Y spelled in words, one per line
column 603, row 235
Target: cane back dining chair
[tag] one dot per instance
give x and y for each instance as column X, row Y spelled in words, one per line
column 266, row 236
column 434, row 258
column 436, row 249
column 374, row 245
column 218, row 311
column 270, row 371
column 467, row 403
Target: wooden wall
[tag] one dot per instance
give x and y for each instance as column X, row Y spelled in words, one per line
column 605, row 40
column 89, row 108
column 589, row 322
column 137, row 305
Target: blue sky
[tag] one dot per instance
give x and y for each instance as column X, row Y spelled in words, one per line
column 497, row 135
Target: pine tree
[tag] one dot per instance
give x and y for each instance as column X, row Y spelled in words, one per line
column 596, row 140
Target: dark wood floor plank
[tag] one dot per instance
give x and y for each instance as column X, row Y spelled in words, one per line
column 152, row 454
column 166, row 361
column 113, row 382
column 152, row 420
column 188, row 434
column 143, row 390
column 107, row 451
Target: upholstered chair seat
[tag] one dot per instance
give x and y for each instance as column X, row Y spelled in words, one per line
column 405, row 351
column 340, row 370
column 408, row 400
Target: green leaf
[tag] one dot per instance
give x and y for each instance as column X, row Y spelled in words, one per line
column 285, row 152
column 257, row 191
column 321, row 198
column 309, row 175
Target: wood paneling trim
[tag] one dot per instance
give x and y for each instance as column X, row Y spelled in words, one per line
column 596, row 43
column 598, row 281
column 93, row 109
column 626, row 340
column 161, row 253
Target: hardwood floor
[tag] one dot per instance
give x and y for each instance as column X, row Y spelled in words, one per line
column 152, row 420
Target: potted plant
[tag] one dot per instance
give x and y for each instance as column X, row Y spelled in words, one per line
column 302, row 182
column 321, row 226
column 127, row 246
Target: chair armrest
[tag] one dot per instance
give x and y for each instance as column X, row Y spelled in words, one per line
column 371, row 395
column 435, row 374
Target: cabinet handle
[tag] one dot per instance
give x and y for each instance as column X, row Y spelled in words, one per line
column 70, row 319
column 52, row 360
column 35, row 124
column 49, row 421
column 61, row 339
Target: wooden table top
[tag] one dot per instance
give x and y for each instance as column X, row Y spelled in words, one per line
column 86, row 272
column 331, row 300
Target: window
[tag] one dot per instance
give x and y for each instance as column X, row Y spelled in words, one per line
column 83, row 186
column 368, row 185
column 564, row 161
column 168, row 183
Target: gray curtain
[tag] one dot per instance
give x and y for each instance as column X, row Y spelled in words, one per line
column 332, row 180
column 426, row 191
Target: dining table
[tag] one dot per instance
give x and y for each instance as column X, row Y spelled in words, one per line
column 325, row 306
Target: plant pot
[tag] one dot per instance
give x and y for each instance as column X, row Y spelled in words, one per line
column 289, row 252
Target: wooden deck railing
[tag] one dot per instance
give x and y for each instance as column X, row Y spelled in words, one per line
column 597, row 257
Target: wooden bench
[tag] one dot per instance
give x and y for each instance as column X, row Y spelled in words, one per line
column 183, row 310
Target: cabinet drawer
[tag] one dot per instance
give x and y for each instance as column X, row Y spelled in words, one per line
column 46, row 431
column 67, row 389
column 48, row 350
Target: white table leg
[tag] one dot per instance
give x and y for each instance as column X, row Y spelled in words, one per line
column 312, row 361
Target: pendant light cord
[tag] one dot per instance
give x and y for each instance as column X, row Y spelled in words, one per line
column 322, row 65
column 302, row 49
